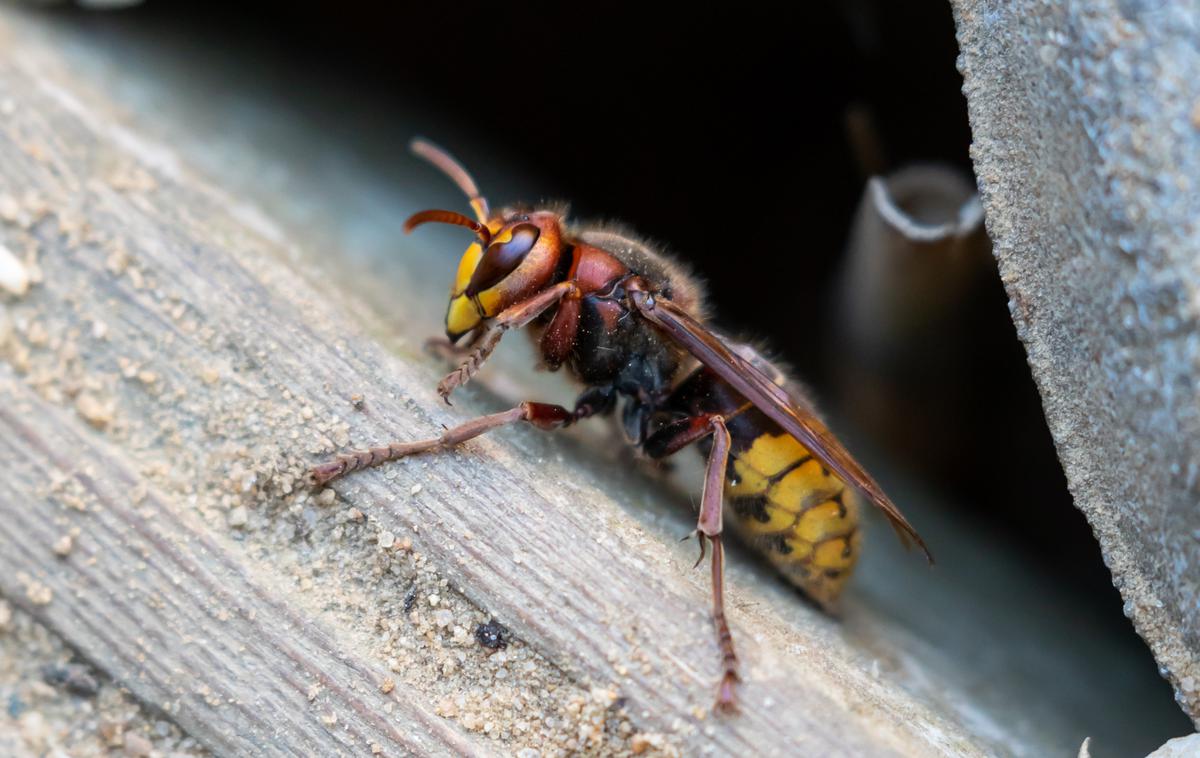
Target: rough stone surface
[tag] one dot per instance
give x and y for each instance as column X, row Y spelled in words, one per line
column 1180, row 747
column 1086, row 124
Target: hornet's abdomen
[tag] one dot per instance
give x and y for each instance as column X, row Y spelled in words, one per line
column 784, row 502
column 778, row 497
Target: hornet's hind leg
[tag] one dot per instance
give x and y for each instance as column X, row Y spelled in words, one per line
column 664, row 442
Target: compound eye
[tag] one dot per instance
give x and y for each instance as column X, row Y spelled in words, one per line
column 502, row 258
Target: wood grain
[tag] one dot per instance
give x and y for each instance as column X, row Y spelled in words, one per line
column 171, row 613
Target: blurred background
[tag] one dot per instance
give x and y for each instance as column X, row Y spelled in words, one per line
column 740, row 138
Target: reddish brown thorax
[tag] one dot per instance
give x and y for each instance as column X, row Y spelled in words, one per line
column 594, row 271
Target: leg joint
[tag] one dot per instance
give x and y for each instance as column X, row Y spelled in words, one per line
column 547, row 415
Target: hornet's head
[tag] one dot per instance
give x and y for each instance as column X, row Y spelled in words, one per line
column 515, row 255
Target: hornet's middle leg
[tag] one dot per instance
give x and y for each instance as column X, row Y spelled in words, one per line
column 541, row 415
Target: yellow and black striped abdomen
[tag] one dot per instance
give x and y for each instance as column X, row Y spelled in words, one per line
column 783, row 501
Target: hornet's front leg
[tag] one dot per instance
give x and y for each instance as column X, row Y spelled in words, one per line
column 513, row 317
column 450, row 352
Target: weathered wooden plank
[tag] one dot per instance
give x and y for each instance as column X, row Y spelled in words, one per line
column 171, row 612
column 178, row 350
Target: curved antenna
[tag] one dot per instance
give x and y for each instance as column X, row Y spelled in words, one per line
column 445, row 163
column 448, row 217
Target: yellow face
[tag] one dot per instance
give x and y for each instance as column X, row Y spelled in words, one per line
column 463, row 315
column 467, row 310
column 518, row 259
